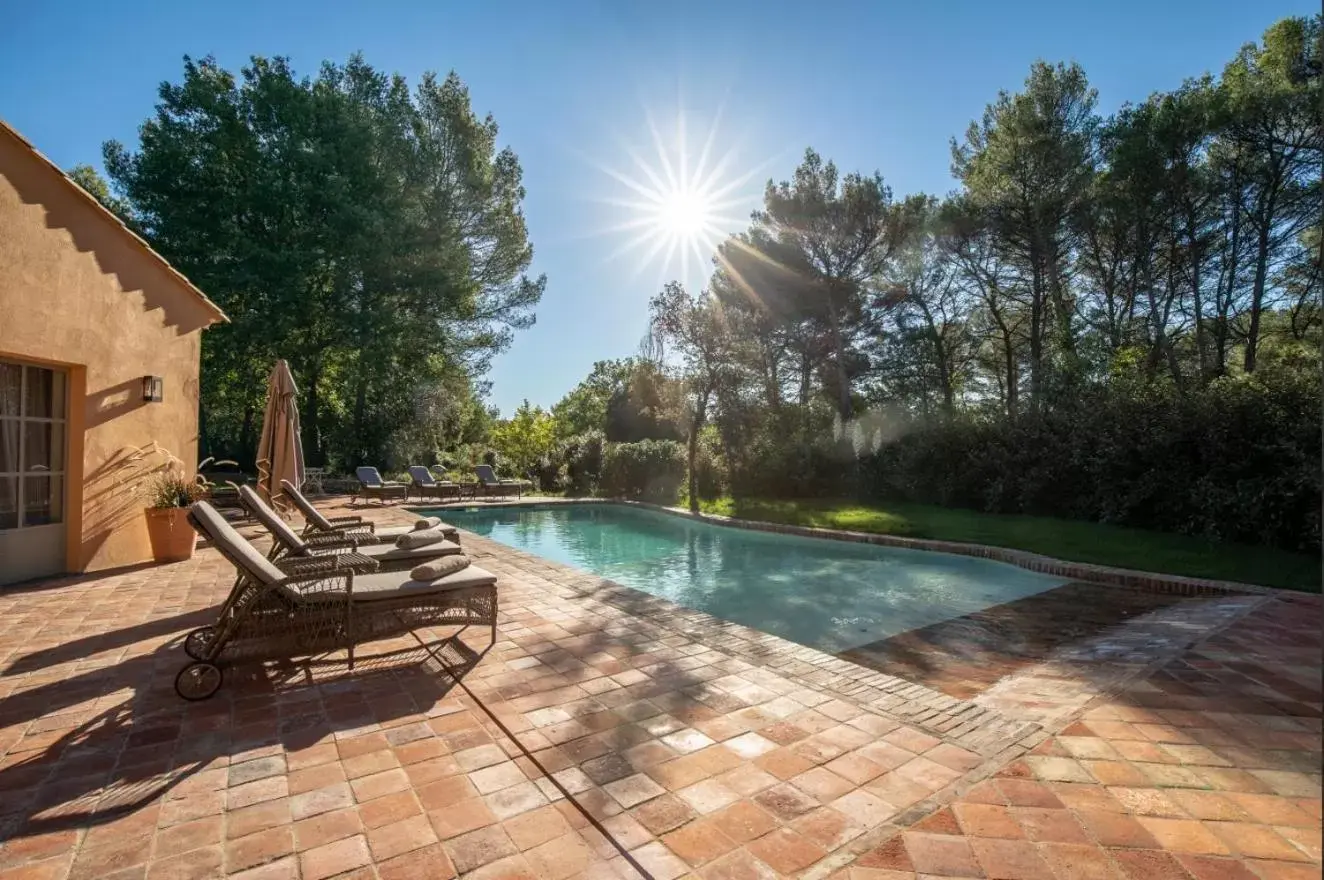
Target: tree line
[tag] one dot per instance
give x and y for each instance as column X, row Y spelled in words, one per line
column 1176, row 237
column 369, row 233
column 1113, row 317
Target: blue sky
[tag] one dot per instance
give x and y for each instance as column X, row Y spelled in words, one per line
column 573, row 85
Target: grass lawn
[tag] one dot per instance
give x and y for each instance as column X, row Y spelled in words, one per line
column 1062, row 539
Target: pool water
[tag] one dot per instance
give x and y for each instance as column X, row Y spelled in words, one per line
column 830, row 595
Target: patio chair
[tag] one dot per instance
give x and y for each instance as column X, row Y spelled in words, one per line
column 277, row 615
column 318, row 523
column 288, row 543
column 312, row 479
column 371, row 485
column 426, row 486
column 487, row 479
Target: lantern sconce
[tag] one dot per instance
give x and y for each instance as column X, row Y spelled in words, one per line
column 153, row 389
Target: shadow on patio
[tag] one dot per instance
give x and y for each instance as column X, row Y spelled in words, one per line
column 119, row 759
column 88, row 646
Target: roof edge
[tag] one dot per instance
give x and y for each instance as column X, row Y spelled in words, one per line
column 219, row 316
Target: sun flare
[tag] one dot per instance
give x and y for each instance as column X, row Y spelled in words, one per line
column 678, row 204
column 685, row 213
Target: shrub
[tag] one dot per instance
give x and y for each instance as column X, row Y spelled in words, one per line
column 550, row 472
column 787, row 453
column 459, row 462
column 652, row 470
column 583, row 459
column 1236, row 461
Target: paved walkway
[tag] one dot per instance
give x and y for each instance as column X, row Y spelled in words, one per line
column 1210, row 768
column 605, row 737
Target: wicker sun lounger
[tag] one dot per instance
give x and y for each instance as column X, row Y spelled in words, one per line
column 492, row 486
column 330, row 604
column 425, row 485
column 371, row 485
column 318, row 523
column 288, row 543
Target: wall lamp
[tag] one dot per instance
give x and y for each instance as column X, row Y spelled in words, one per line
column 153, row 389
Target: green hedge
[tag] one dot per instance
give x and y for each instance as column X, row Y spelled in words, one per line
column 652, row 470
column 1237, row 461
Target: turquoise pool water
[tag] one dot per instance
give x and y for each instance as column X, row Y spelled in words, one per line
column 831, row 595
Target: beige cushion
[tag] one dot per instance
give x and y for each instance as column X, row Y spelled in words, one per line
column 234, row 545
column 310, row 513
column 392, row 533
column 430, row 571
column 419, row 539
column 372, row 587
column 427, row 522
column 262, row 512
column 391, row 553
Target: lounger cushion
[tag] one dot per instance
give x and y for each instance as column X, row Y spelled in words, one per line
column 310, row 513
column 427, row 522
column 420, row 476
column 391, row 553
column 419, row 539
column 223, row 535
column 488, row 477
column 392, row 533
column 371, row 481
column 440, row 568
column 270, row 519
column 374, row 587
column 315, row 516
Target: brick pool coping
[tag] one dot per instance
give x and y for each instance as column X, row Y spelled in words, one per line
column 1077, row 571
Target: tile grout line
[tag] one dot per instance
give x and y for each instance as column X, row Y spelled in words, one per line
column 536, row 763
column 768, row 648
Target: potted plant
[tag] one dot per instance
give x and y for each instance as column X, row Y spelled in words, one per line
column 169, row 493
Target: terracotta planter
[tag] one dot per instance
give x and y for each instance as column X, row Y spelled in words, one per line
column 173, row 539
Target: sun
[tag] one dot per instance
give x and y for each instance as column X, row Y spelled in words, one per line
column 685, row 213
column 677, row 205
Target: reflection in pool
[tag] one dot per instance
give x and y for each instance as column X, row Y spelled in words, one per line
column 831, row 595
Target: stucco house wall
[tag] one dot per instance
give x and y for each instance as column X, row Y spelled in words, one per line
column 79, row 291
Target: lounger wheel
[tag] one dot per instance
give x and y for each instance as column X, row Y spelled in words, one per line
column 198, row 641
column 198, row 681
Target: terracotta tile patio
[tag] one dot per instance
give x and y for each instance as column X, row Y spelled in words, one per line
column 1209, row 768
column 604, row 735
column 967, row 655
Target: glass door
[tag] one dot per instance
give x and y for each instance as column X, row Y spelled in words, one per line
column 33, row 413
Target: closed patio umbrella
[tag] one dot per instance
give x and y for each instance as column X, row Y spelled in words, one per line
column 280, row 451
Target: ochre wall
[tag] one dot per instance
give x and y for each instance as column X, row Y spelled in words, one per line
column 78, row 291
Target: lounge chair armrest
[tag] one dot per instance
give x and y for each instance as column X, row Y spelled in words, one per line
column 301, row 565
column 323, row 586
column 328, row 564
column 343, row 524
column 330, row 540
column 329, row 583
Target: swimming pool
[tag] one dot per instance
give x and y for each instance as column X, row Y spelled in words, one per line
column 830, row 595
